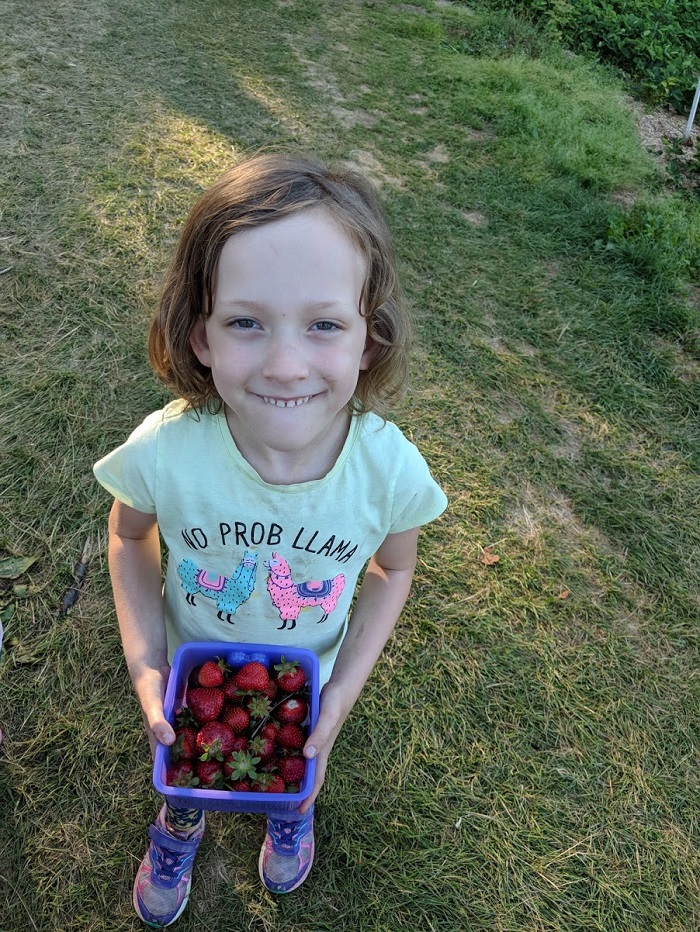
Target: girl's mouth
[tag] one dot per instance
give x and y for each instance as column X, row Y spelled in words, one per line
column 286, row 402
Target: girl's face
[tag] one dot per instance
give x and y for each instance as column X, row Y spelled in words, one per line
column 286, row 342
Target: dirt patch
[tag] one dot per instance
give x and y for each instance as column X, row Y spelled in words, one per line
column 656, row 125
column 474, row 217
column 370, row 165
column 478, row 135
column 350, row 118
column 438, row 154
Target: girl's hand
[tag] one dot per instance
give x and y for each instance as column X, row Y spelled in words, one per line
column 150, row 688
column 332, row 714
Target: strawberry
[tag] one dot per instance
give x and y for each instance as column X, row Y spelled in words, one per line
column 185, row 745
column 269, row 783
column 261, row 747
column 210, row 774
column 181, row 774
column 270, row 730
column 241, row 786
column 291, row 769
column 292, row 711
column 253, row 677
column 240, row 743
column 193, row 678
column 211, row 673
column 215, row 741
column 290, row 676
column 271, row 690
column 291, row 737
column 232, row 692
column 205, row 703
column 235, row 717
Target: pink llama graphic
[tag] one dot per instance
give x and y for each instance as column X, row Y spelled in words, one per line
column 290, row 597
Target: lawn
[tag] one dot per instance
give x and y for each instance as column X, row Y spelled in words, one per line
column 525, row 755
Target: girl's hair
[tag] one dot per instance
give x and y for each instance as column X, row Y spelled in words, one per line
column 260, row 190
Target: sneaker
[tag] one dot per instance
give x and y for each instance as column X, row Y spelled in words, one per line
column 287, row 853
column 163, row 880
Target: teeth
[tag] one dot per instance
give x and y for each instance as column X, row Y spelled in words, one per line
column 281, row 403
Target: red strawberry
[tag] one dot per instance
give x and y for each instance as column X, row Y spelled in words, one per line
column 215, row 740
column 270, row 730
column 271, row 690
column 291, row 769
column 181, row 774
column 211, row 673
column 292, row 711
column 185, row 746
column 240, row 743
column 205, row 703
column 235, row 717
column 253, row 677
column 290, row 676
column 261, row 747
column 209, row 773
column 232, row 692
column 269, row 783
column 193, row 678
column 292, row 737
column 241, row 786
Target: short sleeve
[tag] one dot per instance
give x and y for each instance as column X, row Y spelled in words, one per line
column 418, row 499
column 129, row 472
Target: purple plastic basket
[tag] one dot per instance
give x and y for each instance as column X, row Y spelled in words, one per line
column 192, row 654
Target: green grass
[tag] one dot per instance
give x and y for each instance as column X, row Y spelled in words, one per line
column 524, row 757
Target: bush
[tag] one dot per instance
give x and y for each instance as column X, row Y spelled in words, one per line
column 659, row 239
column 655, row 42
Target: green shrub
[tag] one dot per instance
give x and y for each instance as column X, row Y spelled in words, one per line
column 656, row 42
column 659, row 239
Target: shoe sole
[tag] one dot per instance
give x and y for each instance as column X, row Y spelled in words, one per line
column 159, row 925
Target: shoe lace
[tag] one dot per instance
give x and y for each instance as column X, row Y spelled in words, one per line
column 167, row 864
column 286, row 835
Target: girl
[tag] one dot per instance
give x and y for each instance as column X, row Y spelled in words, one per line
column 282, row 331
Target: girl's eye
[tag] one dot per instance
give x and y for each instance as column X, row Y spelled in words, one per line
column 325, row 325
column 244, row 323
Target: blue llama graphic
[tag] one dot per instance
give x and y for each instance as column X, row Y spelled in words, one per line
column 229, row 592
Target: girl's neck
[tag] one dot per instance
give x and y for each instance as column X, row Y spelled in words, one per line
column 282, row 467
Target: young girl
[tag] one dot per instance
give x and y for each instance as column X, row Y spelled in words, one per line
column 282, row 331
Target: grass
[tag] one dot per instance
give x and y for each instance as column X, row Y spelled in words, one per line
column 525, row 754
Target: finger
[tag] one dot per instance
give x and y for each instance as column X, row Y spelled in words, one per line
column 163, row 732
column 326, row 729
column 157, row 724
column 318, row 783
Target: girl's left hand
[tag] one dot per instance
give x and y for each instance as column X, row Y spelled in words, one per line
column 332, row 714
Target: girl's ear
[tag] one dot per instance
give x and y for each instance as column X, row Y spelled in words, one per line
column 200, row 343
column 369, row 354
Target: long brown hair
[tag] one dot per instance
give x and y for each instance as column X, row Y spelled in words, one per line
column 259, row 190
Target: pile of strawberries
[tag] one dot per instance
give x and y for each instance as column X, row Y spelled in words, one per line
column 242, row 730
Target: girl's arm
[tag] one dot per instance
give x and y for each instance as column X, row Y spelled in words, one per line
column 382, row 596
column 135, row 568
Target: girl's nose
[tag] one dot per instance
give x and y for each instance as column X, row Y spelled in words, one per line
column 285, row 361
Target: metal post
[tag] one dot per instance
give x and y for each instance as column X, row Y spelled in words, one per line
column 693, row 110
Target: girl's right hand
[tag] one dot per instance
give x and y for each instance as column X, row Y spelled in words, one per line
column 150, row 689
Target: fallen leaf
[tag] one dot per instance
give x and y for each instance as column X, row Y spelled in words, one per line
column 12, row 567
column 488, row 558
column 7, row 613
column 21, row 591
column 564, row 594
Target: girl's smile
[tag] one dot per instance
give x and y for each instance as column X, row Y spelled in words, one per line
column 286, row 342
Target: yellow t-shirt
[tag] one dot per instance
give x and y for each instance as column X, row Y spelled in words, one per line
column 254, row 562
